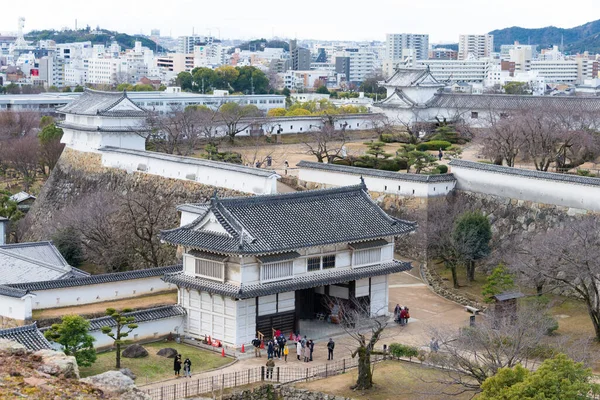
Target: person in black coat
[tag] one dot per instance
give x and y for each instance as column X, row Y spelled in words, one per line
column 177, row 365
column 311, row 346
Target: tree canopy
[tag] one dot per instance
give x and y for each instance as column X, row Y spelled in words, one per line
column 557, row 378
column 72, row 334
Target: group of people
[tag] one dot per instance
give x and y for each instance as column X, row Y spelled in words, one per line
column 187, row 366
column 278, row 348
column 401, row 314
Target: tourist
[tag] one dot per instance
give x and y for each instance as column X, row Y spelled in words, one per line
column 269, row 161
column 403, row 318
column 385, row 350
column 406, row 315
column 187, row 368
column 304, row 341
column 177, row 365
column 281, row 343
column 299, row 349
column 276, row 350
column 330, row 347
column 311, row 346
column 286, row 165
column 256, row 343
column 270, row 349
column 286, row 351
column 258, row 164
column 440, row 154
column 306, row 352
column 270, row 366
column 397, row 313
column 434, row 345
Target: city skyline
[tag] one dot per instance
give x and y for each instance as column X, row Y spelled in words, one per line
column 324, row 21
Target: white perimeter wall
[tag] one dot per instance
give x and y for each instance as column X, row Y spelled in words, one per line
column 145, row 331
column 12, row 307
column 204, row 174
column 565, row 194
column 92, row 141
column 79, row 295
column 398, row 186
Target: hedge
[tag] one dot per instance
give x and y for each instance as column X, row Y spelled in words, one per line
column 434, row 145
column 400, row 350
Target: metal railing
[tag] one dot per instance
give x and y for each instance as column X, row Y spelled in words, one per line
column 288, row 374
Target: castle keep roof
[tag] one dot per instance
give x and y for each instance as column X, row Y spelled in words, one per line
column 106, row 104
column 285, row 222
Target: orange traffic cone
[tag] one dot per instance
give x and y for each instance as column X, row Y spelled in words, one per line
column 223, row 352
column 243, row 349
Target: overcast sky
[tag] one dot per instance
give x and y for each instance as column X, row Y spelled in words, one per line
column 444, row 20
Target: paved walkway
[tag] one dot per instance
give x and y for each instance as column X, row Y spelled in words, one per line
column 427, row 310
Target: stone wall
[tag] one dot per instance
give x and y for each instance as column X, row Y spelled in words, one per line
column 78, row 174
column 281, row 392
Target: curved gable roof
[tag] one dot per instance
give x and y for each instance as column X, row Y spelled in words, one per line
column 108, row 104
column 284, row 222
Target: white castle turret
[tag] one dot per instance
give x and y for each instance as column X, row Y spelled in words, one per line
column 103, row 119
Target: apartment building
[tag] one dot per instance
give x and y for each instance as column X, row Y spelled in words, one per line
column 443, row 54
column 396, row 43
column 478, row 46
column 356, row 62
column 107, row 71
column 300, row 57
column 176, row 62
column 452, row 71
column 563, row 71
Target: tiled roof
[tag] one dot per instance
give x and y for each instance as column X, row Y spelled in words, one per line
column 326, row 277
column 151, row 314
column 514, row 102
column 526, row 173
column 44, row 251
column 21, row 196
column 405, row 77
column 98, row 279
column 287, row 222
column 192, row 161
column 12, row 292
column 109, row 104
column 31, row 262
column 377, row 173
column 28, row 335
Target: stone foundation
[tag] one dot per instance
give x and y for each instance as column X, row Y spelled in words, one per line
column 280, row 392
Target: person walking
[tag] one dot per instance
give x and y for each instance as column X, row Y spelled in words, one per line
column 177, row 365
column 306, row 352
column 270, row 366
column 434, row 345
column 403, row 316
column 397, row 312
column 311, row 346
column 187, row 368
column 299, row 349
column 286, row 351
column 270, row 349
column 286, row 165
column 440, row 154
column 256, row 343
column 330, row 347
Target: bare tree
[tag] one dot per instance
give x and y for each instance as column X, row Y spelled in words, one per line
column 497, row 340
column 23, row 156
column 95, row 218
column 366, row 331
column 567, row 257
column 503, row 140
column 176, row 132
column 18, row 123
column 326, row 142
column 146, row 211
column 236, row 118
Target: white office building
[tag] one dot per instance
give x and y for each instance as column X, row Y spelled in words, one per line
column 397, row 42
column 452, row 71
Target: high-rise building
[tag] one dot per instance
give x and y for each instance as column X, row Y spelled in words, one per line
column 356, row 62
column 397, row 43
column 300, row 57
column 477, row 46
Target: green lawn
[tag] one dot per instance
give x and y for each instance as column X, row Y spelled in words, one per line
column 155, row 368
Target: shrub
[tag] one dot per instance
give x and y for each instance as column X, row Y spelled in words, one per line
column 442, row 168
column 342, row 162
column 387, row 138
column 400, row 350
column 390, row 165
column 363, row 164
column 434, row 145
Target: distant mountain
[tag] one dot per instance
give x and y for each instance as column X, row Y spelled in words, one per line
column 83, row 35
column 576, row 40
